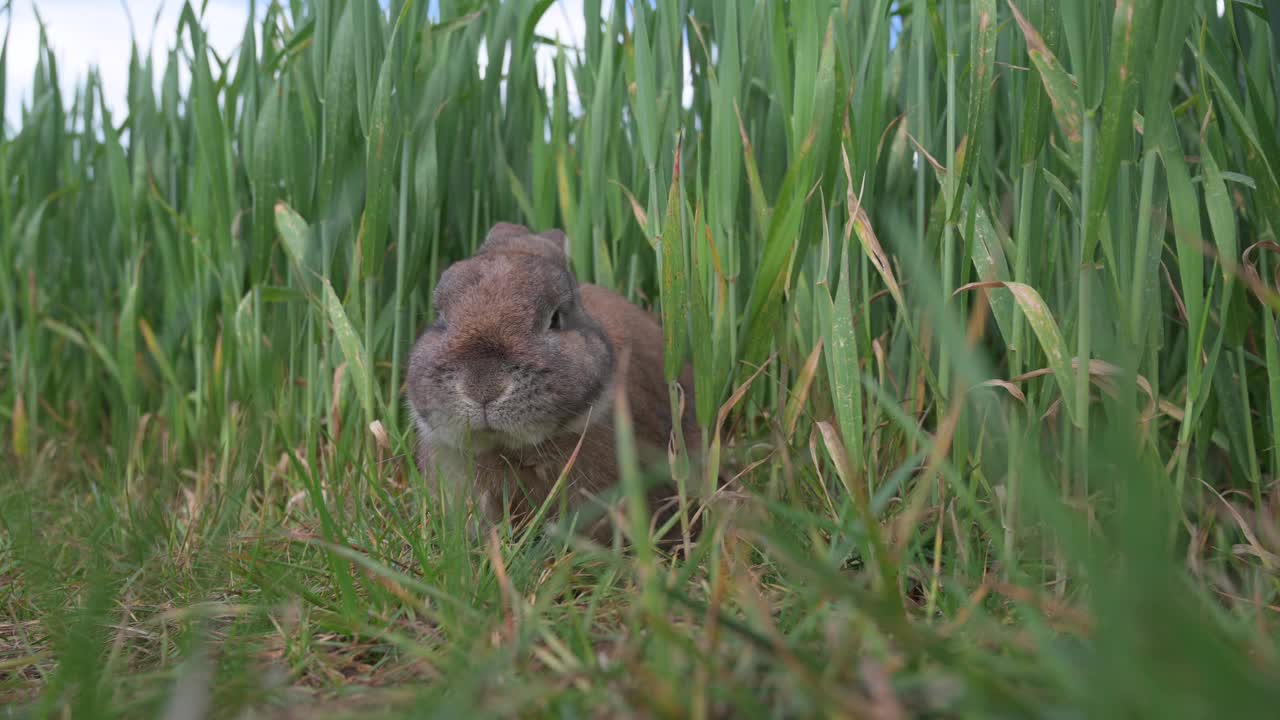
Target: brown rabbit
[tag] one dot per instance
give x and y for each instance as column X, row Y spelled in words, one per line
column 522, row 362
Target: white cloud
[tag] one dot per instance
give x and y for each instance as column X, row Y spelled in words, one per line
column 96, row 33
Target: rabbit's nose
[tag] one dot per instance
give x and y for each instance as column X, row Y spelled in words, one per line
column 484, row 383
column 484, row 393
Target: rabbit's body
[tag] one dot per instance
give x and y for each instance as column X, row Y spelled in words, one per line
column 524, row 363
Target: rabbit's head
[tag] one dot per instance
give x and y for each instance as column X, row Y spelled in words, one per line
column 513, row 356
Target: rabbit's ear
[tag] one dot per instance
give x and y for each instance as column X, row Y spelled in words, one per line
column 557, row 237
column 506, row 230
column 520, row 240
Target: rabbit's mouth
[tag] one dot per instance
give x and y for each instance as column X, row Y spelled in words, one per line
column 463, row 433
column 483, row 439
column 498, row 425
column 492, row 431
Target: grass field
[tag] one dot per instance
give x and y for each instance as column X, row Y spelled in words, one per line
column 887, row 234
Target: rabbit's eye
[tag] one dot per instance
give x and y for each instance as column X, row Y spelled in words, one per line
column 560, row 318
column 557, row 320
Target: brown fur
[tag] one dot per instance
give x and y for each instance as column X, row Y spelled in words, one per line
column 493, row 362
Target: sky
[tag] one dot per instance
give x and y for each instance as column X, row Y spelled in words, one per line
column 96, row 33
column 89, row 33
column 86, row 33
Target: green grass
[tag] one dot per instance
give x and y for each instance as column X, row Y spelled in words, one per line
column 885, row 255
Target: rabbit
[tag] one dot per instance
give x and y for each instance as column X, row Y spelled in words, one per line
column 523, row 362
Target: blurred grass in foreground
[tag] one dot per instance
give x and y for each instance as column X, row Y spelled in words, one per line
column 885, row 233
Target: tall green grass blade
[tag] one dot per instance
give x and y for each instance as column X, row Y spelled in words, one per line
column 674, row 278
column 352, row 349
column 1131, row 39
column 1062, row 89
column 982, row 67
